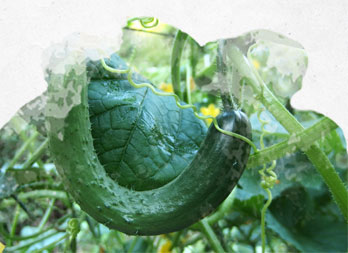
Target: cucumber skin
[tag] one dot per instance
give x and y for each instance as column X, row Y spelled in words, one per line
column 194, row 194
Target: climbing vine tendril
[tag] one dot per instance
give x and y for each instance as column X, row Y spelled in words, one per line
column 146, row 22
column 267, row 180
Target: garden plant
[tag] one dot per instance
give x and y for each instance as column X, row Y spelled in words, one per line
column 170, row 146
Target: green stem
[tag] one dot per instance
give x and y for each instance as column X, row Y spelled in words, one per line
column 73, row 244
column 178, row 48
column 21, row 204
column 211, row 236
column 36, row 194
column 47, row 214
column 119, row 239
column 52, row 243
column 220, row 213
column 224, row 208
column 134, row 242
column 146, row 22
column 194, row 52
column 188, row 84
column 17, row 248
column 14, row 224
column 91, row 228
column 207, row 71
column 157, row 241
column 22, row 238
column 170, row 35
column 23, row 148
column 263, row 219
column 176, row 239
column 297, row 141
column 192, row 240
column 24, row 137
column 290, row 123
column 37, row 154
column 39, row 186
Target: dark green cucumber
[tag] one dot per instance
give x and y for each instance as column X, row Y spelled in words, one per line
column 192, row 195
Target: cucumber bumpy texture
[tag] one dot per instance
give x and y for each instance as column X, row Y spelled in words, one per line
column 195, row 179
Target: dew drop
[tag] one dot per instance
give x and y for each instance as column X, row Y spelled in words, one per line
column 128, row 219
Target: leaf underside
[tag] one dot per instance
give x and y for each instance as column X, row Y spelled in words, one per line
column 142, row 140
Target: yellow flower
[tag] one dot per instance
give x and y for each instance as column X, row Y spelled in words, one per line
column 211, row 110
column 166, row 87
column 256, row 64
column 2, row 247
column 165, row 248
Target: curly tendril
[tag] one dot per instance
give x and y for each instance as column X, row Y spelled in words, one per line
column 146, row 22
column 177, row 99
column 268, row 180
column 73, row 227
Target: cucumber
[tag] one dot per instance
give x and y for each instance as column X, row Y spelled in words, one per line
column 195, row 193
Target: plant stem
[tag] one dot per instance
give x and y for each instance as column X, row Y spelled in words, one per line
column 192, row 240
column 52, row 243
column 220, row 213
column 17, row 248
column 22, row 149
column 14, row 224
column 290, row 123
column 134, row 242
column 263, row 219
column 41, row 185
column 91, row 228
column 21, row 204
column 36, row 194
column 178, row 48
column 223, row 209
column 149, row 31
column 119, row 239
column 47, row 214
column 188, row 84
column 22, row 238
column 211, row 236
column 176, row 239
column 37, row 154
column 293, row 143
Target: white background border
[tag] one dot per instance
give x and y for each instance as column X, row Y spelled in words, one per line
column 29, row 27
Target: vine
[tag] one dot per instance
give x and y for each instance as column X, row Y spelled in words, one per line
column 268, row 180
column 146, row 22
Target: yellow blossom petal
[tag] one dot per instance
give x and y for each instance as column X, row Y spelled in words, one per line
column 256, row 64
column 211, row 110
column 166, row 87
column 165, row 248
column 205, row 111
column 2, row 247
